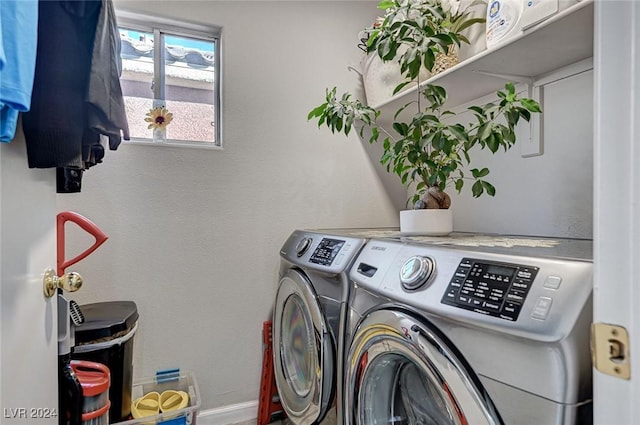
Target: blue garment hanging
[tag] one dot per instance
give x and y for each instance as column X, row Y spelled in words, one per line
column 18, row 43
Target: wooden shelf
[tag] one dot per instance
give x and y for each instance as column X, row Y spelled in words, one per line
column 564, row 39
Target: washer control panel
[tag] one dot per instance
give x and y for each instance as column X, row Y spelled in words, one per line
column 491, row 288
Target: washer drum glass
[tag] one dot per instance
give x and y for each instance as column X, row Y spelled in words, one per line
column 396, row 391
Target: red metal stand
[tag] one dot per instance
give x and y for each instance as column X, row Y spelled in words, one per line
column 269, row 407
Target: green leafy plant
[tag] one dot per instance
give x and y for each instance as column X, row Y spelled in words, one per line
column 416, row 32
column 428, row 150
column 431, row 150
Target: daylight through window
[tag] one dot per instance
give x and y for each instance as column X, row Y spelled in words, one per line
column 174, row 66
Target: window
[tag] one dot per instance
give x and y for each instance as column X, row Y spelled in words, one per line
column 176, row 66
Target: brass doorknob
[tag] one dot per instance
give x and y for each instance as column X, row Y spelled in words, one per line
column 69, row 282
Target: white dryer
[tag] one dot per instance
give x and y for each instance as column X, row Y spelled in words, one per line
column 309, row 319
column 470, row 330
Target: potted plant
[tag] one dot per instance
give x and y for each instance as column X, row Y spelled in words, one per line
column 406, row 33
column 421, row 34
column 431, row 151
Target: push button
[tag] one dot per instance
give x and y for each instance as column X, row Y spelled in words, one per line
column 552, row 282
column 511, row 309
column 491, row 306
column 465, row 262
column 542, row 307
column 524, row 274
column 515, row 297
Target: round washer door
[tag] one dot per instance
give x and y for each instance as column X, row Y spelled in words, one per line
column 303, row 351
column 401, row 371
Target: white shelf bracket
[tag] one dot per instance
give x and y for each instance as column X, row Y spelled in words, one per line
column 534, row 145
column 524, row 79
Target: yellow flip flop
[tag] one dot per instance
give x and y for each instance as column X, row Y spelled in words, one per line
column 147, row 405
column 171, row 400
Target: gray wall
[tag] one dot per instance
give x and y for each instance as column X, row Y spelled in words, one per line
column 548, row 195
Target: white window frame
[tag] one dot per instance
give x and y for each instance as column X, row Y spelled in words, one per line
column 159, row 26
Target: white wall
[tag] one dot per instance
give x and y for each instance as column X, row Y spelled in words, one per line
column 195, row 234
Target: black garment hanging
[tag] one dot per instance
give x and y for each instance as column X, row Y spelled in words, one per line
column 77, row 96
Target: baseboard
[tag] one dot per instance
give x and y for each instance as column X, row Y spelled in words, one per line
column 226, row 415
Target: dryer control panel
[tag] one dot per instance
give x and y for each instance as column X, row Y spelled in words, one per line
column 326, row 251
column 491, row 288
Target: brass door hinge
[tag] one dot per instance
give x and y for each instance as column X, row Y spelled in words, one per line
column 610, row 350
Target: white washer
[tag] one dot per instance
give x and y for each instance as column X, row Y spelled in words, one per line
column 470, row 329
column 309, row 318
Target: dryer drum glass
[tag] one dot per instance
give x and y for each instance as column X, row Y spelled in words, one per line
column 396, row 391
column 298, row 346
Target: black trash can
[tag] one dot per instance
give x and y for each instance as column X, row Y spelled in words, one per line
column 106, row 337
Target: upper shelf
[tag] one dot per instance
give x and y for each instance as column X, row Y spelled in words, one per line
column 563, row 39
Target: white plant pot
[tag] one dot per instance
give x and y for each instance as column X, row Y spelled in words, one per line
column 426, row 222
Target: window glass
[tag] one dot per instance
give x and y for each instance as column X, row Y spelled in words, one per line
column 137, row 79
column 175, row 70
column 189, row 88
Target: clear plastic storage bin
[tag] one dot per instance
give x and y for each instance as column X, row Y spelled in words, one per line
column 165, row 391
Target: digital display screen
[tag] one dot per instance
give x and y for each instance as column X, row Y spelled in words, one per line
column 500, row 270
column 326, row 251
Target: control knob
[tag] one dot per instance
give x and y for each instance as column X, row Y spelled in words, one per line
column 302, row 246
column 417, row 271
